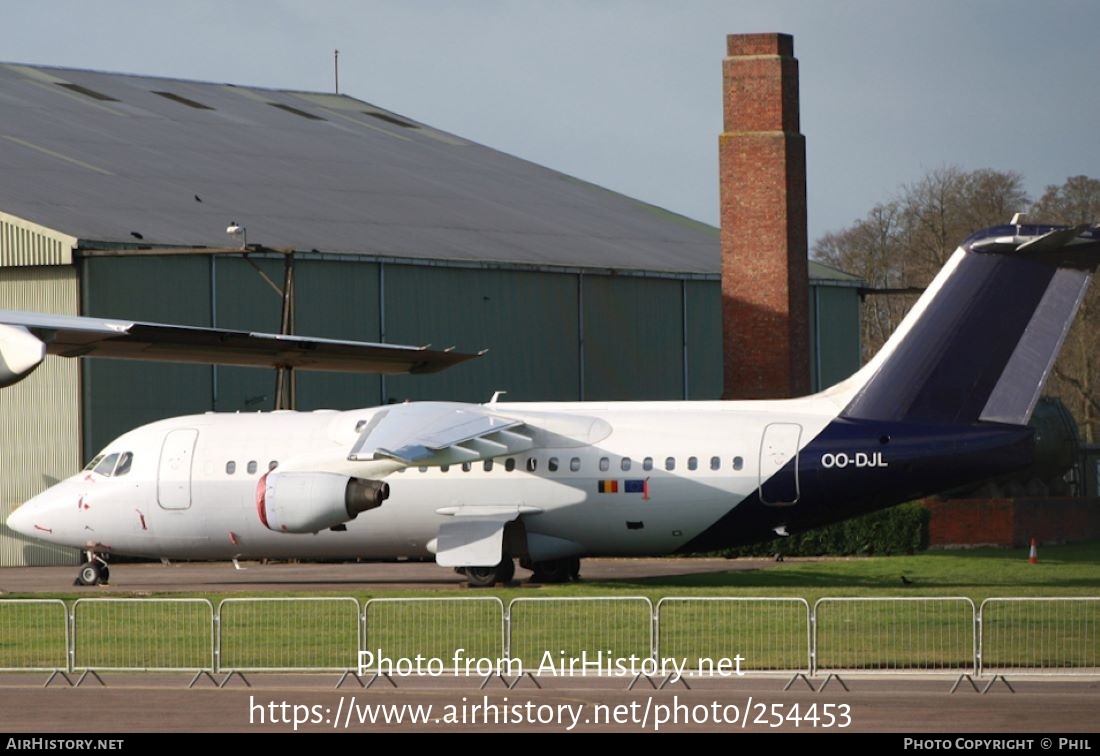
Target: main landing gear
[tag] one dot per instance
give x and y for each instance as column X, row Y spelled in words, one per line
column 93, row 572
column 486, row 577
column 554, row 570
column 548, row 571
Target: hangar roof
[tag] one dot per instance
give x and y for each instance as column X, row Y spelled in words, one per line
column 113, row 158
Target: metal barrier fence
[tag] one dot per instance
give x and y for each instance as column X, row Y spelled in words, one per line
column 143, row 635
column 288, row 635
column 433, row 637
column 34, row 635
column 1037, row 636
column 895, row 635
column 724, row 636
column 580, row 637
column 555, row 637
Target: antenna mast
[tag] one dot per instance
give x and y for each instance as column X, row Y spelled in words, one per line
column 336, row 68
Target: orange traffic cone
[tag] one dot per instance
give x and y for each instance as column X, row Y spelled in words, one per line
column 1033, row 555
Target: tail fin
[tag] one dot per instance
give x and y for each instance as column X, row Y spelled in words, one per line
column 980, row 342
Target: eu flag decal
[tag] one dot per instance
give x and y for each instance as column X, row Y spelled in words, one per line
column 634, row 486
column 607, row 486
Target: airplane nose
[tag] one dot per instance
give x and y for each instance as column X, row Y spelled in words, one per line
column 39, row 517
column 20, row 520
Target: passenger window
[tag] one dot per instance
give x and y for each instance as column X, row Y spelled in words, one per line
column 124, row 464
column 107, row 466
column 715, row 463
column 605, row 464
column 509, row 464
column 738, row 463
column 552, row 464
column 230, row 467
column 575, row 464
column 532, row 464
column 693, row 463
column 272, row 464
column 252, row 467
column 488, row 465
column 647, row 463
column 670, row 463
column 625, row 464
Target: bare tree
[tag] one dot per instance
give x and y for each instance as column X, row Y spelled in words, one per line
column 1075, row 378
column 901, row 244
column 872, row 249
column 948, row 204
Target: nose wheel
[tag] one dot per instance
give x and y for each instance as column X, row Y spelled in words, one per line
column 93, row 572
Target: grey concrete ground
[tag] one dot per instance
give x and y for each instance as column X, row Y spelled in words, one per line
column 146, row 703
column 282, row 576
column 156, row 703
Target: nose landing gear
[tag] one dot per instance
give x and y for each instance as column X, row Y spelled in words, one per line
column 93, row 572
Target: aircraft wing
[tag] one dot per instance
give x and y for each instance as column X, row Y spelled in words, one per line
column 435, row 433
column 75, row 336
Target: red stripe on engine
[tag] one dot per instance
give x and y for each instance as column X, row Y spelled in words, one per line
column 261, row 503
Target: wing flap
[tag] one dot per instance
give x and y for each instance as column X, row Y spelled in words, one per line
column 439, row 433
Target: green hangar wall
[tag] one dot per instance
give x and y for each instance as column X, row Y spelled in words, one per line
column 548, row 336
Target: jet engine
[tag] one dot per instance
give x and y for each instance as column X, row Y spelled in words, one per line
column 308, row 502
column 20, row 353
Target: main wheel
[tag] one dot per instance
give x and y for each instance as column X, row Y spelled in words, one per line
column 553, row 571
column 480, row 577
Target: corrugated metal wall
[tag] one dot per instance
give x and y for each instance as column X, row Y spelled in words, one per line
column 704, row 339
column 353, row 288
column 834, row 334
column 121, row 394
column 23, row 243
column 527, row 320
column 633, row 338
column 550, row 335
column 40, row 415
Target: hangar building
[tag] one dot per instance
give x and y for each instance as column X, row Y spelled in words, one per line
column 116, row 191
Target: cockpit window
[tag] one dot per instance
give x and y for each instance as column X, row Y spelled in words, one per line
column 107, row 466
column 110, row 464
column 124, row 462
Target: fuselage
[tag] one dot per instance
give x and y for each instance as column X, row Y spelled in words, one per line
column 634, row 478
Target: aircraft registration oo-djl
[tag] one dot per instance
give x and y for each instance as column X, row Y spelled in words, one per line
column 945, row 403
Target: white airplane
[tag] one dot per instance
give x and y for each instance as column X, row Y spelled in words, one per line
column 944, row 403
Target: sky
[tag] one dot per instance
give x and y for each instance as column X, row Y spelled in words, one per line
column 627, row 94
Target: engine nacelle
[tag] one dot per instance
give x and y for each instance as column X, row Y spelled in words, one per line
column 20, row 353
column 308, row 502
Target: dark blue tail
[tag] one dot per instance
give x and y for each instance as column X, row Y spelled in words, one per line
column 981, row 341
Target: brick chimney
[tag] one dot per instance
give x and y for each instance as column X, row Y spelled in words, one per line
column 762, row 163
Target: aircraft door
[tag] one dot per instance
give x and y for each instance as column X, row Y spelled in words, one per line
column 174, row 472
column 779, row 464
